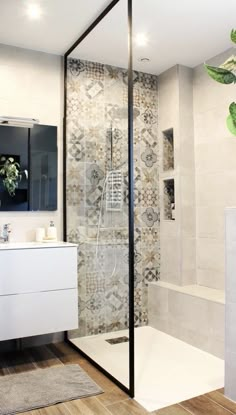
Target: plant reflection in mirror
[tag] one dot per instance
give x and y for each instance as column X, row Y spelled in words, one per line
column 11, row 174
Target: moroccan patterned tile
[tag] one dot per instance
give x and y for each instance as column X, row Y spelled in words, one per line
column 138, row 318
column 150, row 235
column 95, row 303
column 151, row 217
column 75, row 173
column 148, row 136
column 150, row 177
column 76, row 146
column 149, row 157
column 147, row 81
column 135, row 77
column 92, row 216
column 74, row 195
column 138, row 292
column 95, row 325
column 149, row 197
column 150, row 275
column 94, row 70
column 150, row 255
column 73, row 236
column 75, row 66
column 147, row 98
column 115, row 301
column 94, row 196
column 91, row 151
column 94, row 174
column 95, row 283
column 97, row 115
column 95, row 90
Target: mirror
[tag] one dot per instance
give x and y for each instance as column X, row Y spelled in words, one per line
column 28, row 168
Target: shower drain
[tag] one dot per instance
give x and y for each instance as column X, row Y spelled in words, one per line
column 118, row 340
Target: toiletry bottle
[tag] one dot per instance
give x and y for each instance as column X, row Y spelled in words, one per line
column 52, row 231
column 39, row 234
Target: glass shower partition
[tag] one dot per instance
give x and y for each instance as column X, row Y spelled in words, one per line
column 97, row 191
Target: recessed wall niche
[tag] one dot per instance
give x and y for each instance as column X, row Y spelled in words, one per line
column 169, row 199
column 168, row 149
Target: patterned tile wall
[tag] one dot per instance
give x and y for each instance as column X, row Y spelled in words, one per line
column 97, row 115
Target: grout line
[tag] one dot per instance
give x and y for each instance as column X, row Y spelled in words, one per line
column 187, row 410
column 120, row 401
column 139, row 406
column 105, row 407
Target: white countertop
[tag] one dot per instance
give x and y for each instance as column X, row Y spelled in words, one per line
column 33, row 245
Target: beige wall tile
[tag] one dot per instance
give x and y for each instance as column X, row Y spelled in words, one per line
column 210, row 254
column 211, row 278
column 31, row 85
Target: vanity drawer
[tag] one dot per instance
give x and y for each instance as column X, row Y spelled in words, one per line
column 26, row 315
column 34, row 270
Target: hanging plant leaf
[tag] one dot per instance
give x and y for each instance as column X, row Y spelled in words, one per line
column 220, row 74
column 232, row 111
column 233, row 35
column 231, row 125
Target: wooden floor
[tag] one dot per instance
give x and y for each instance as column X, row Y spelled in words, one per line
column 113, row 401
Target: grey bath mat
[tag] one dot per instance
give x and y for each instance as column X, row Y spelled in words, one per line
column 44, row 387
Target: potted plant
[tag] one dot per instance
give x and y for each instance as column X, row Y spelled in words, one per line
column 11, row 174
column 226, row 74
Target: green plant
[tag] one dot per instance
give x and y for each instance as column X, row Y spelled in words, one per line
column 226, row 74
column 11, row 174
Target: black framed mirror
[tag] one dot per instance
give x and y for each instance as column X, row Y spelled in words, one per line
column 28, row 168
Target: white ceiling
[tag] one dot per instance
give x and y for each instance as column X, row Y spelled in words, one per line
column 60, row 25
column 187, row 32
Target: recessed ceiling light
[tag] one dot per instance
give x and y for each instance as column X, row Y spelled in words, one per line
column 34, row 11
column 141, row 39
column 144, row 60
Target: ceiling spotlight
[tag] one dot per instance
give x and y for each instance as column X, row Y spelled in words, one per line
column 34, row 11
column 141, row 39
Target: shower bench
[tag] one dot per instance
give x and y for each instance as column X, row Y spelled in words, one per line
column 192, row 313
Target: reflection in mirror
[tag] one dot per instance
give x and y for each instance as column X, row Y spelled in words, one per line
column 13, row 162
column 28, row 168
column 97, row 190
column 187, row 164
column 43, row 162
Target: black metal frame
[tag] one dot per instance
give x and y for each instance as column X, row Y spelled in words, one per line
column 129, row 390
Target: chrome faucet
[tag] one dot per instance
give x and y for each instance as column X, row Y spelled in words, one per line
column 5, row 234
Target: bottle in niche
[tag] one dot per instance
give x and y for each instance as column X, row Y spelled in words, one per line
column 52, row 231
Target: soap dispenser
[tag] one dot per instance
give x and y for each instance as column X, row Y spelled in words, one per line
column 52, row 231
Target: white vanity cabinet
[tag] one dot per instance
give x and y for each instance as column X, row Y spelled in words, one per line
column 38, row 289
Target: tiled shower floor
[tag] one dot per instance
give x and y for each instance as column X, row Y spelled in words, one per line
column 167, row 370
